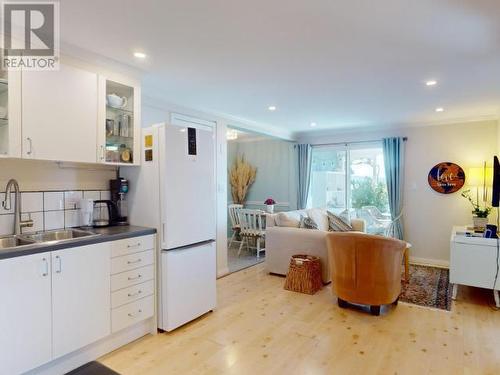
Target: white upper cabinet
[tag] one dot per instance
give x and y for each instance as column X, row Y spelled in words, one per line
column 81, row 296
column 10, row 114
column 59, row 114
column 119, row 122
column 25, row 313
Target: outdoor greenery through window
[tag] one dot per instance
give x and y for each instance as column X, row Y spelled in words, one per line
column 350, row 181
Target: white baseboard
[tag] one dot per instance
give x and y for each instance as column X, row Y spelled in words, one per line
column 90, row 353
column 430, row 262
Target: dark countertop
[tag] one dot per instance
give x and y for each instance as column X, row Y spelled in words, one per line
column 106, row 234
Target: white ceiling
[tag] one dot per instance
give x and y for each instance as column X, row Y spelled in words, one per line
column 350, row 63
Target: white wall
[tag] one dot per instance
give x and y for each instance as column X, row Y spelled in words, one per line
column 429, row 216
column 35, row 175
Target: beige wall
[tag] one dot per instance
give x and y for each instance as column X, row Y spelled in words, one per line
column 44, row 175
column 429, row 216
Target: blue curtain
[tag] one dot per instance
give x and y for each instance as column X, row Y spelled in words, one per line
column 304, row 152
column 394, row 162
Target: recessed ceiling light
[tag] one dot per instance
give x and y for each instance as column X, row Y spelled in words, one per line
column 272, row 108
column 439, row 109
column 313, row 124
column 431, row 82
column 140, row 55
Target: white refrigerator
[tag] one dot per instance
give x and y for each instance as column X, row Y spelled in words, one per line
column 174, row 191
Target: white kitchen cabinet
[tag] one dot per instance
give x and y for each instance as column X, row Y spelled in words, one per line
column 59, row 114
column 25, row 313
column 81, row 296
column 119, row 122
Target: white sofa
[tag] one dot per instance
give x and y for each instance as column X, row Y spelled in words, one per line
column 284, row 241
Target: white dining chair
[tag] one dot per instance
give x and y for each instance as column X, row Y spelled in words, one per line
column 251, row 227
column 235, row 221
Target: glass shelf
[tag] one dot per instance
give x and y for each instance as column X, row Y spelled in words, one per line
column 120, row 110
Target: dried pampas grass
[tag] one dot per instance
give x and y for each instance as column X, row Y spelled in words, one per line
column 241, row 177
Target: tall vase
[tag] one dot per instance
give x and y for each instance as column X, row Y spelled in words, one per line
column 270, row 208
column 480, row 222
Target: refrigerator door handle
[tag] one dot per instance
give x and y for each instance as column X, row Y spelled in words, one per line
column 194, row 244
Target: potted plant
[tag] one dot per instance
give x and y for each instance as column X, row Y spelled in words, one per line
column 269, row 202
column 479, row 215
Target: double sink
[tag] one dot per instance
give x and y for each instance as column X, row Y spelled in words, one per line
column 14, row 241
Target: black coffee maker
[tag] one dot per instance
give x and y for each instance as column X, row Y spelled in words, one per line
column 119, row 189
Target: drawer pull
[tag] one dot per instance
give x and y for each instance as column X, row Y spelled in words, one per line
column 135, row 261
column 135, row 294
column 132, row 315
column 136, row 245
column 134, row 278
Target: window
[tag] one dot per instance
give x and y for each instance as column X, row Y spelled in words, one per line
column 350, row 180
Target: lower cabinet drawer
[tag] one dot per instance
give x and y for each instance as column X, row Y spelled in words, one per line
column 133, row 293
column 129, row 314
column 134, row 277
column 129, row 262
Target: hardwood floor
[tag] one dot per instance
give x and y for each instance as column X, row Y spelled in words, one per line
column 259, row 328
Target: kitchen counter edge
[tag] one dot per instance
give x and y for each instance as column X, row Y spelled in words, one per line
column 106, row 234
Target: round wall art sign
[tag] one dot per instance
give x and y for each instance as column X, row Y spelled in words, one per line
column 446, row 178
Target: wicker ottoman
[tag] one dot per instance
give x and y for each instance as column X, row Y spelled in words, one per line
column 304, row 274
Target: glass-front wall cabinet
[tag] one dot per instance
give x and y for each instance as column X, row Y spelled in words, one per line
column 120, row 124
column 10, row 116
column 4, row 119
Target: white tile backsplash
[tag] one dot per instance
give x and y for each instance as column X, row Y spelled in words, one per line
column 37, row 218
column 92, row 194
column 105, row 194
column 4, row 211
column 72, row 218
column 6, row 224
column 31, row 202
column 54, row 220
column 53, row 200
column 72, row 199
column 49, row 210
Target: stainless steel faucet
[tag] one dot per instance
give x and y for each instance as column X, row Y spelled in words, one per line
column 7, row 204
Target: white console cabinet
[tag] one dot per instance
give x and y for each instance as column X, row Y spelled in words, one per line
column 474, row 262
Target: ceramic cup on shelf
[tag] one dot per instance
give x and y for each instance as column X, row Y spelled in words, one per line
column 116, row 101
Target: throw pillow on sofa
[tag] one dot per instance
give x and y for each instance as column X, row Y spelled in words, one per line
column 319, row 216
column 307, row 223
column 337, row 224
column 287, row 220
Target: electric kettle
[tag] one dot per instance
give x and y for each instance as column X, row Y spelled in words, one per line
column 105, row 213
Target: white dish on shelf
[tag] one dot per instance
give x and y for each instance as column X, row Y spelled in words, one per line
column 116, row 101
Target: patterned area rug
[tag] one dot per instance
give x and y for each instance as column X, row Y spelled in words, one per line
column 93, row 368
column 428, row 286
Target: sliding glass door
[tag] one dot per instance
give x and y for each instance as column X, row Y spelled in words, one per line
column 350, row 180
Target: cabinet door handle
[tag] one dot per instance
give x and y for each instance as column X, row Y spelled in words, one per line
column 30, row 143
column 102, row 152
column 135, row 278
column 135, row 245
column 45, row 271
column 135, row 294
column 58, row 264
column 134, row 261
column 132, row 315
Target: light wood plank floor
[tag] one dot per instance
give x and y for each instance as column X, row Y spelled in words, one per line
column 259, row 328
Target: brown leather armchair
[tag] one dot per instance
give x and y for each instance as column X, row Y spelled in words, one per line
column 365, row 269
